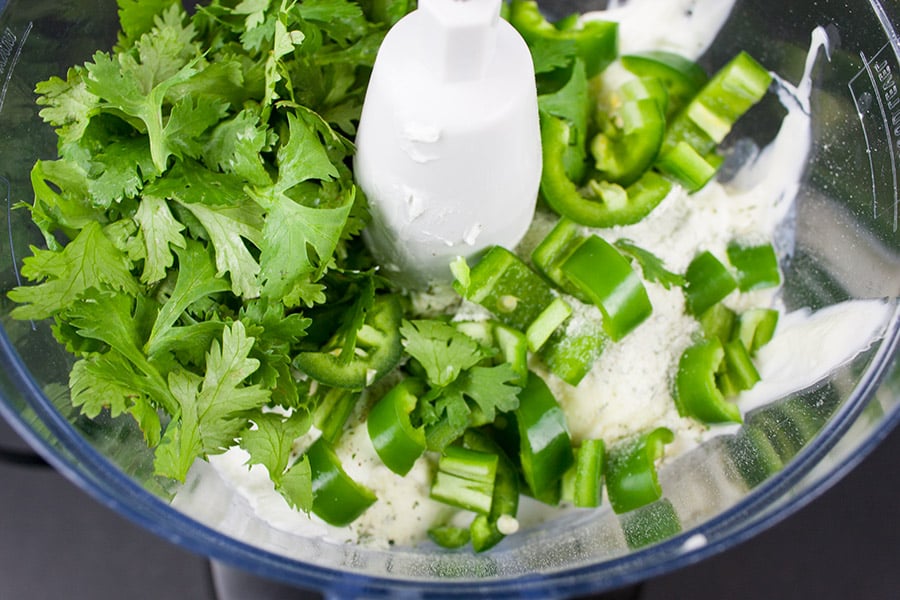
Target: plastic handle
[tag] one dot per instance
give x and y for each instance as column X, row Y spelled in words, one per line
column 460, row 36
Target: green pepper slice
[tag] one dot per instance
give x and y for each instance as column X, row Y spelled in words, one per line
column 631, row 477
column 583, row 482
column 607, row 278
column 540, row 330
column 552, row 252
column 379, row 350
column 650, row 524
column 756, row 266
column 707, row 281
column 337, row 499
column 718, row 321
column 508, row 288
column 448, row 536
column 688, row 167
column 465, row 478
column 697, row 392
column 629, row 205
column 681, row 77
column 688, row 150
column 570, row 353
column 740, row 372
column 595, row 42
column 485, row 530
column 396, row 441
column 545, row 447
column 630, row 142
column 333, row 412
column 756, row 327
column 513, row 350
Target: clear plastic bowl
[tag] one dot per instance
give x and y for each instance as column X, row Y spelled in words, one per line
column 847, row 246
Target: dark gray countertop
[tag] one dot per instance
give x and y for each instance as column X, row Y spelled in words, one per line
column 57, row 542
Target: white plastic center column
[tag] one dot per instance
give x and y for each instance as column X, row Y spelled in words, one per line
column 448, row 147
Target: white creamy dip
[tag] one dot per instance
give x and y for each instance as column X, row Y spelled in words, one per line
column 628, row 390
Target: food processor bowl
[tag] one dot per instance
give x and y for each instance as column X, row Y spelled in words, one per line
column 846, row 245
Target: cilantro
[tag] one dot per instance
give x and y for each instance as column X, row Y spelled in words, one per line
column 442, row 350
column 651, row 265
column 213, row 409
column 464, row 392
column 201, row 201
column 570, row 102
column 196, row 280
column 271, row 438
column 89, row 261
column 161, row 232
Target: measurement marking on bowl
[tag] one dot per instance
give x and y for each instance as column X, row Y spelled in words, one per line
column 877, row 86
column 10, row 52
column 4, row 182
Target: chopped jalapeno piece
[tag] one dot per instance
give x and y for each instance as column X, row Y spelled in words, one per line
column 596, row 41
column 756, row 266
column 697, row 392
column 600, row 207
column 583, row 482
column 607, row 278
column 681, row 77
column 546, row 323
column 545, row 448
column 378, row 350
column 337, row 499
column 396, row 441
column 508, row 288
column 631, row 478
column 708, row 281
column 688, row 150
column 630, row 141
column 756, row 327
column 486, row 531
column 465, row 479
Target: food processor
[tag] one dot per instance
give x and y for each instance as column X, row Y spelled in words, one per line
column 846, row 246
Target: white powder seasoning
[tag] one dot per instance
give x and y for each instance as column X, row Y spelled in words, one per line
column 629, row 388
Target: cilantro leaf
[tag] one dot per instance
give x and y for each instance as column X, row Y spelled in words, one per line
column 653, row 267
column 68, row 104
column 136, row 82
column 296, row 485
column 113, row 319
column 108, row 381
column 442, row 350
column 235, row 146
column 491, row 389
column 161, row 232
column 188, row 120
column 117, row 172
column 341, row 20
column 570, row 102
column 213, row 408
column 60, row 188
column 103, row 381
column 227, row 227
column 89, row 261
column 551, row 54
column 196, row 280
column 303, row 157
column 181, row 443
column 138, row 17
column 270, row 441
column 297, row 243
